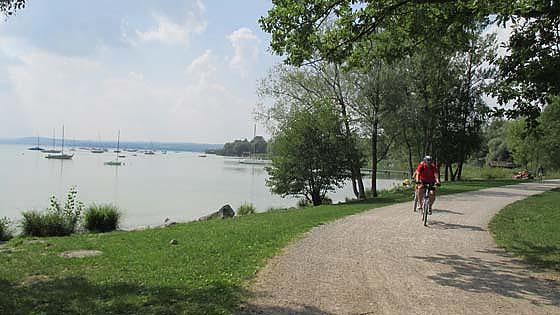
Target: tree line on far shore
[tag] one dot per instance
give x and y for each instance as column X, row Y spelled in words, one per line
column 257, row 146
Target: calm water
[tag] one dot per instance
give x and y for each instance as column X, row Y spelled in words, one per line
column 181, row 186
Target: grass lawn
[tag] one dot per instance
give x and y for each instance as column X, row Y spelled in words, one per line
column 530, row 228
column 141, row 273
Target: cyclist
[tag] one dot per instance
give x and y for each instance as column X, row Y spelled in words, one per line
column 426, row 173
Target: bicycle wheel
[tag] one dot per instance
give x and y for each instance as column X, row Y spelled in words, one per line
column 425, row 209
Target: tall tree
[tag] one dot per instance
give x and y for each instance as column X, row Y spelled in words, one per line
column 295, row 88
column 310, row 154
column 530, row 70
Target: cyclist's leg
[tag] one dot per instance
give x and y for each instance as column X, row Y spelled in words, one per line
column 432, row 197
column 420, row 195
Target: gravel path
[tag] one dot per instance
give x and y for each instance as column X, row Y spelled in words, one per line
column 385, row 262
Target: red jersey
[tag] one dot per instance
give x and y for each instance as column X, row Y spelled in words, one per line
column 426, row 173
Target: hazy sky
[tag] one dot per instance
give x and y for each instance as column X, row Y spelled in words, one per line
column 157, row 70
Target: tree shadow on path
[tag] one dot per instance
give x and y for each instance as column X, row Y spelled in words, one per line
column 452, row 226
column 503, row 277
column 446, row 211
column 279, row 310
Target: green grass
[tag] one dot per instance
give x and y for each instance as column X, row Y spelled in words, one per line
column 530, row 228
column 141, row 273
column 246, row 209
column 492, row 173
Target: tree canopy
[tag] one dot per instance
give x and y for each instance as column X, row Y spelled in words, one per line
column 9, row 7
column 340, row 30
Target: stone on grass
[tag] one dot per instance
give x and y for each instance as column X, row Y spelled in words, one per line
column 168, row 222
column 173, row 242
column 225, row 212
column 80, row 253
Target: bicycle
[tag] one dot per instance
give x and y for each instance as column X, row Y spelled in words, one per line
column 414, row 196
column 426, row 201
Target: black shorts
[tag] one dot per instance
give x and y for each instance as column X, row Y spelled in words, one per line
column 432, row 187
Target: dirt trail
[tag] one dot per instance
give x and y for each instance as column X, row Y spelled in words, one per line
column 385, row 262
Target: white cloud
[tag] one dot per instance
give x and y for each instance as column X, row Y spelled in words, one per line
column 170, row 32
column 91, row 97
column 246, row 50
column 204, row 67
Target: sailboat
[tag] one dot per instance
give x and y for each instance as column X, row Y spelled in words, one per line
column 98, row 150
column 61, row 155
column 150, row 151
column 116, row 162
column 37, row 148
column 53, row 150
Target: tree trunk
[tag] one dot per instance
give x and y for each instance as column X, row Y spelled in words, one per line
column 446, row 172
column 355, row 186
column 459, row 170
column 409, row 148
column 374, row 159
column 316, row 198
column 451, row 172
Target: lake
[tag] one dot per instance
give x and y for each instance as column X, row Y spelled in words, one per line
column 148, row 188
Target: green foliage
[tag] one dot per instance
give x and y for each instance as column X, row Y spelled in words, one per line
column 310, row 154
column 342, row 30
column 338, row 30
column 243, row 147
column 56, row 220
column 46, row 224
column 303, row 202
column 550, row 126
column 245, row 209
column 533, row 147
column 530, row 228
column 6, row 231
column 496, row 148
column 326, row 200
column 101, row 218
column 9, row 7
column 529, row 75
column 488, row 173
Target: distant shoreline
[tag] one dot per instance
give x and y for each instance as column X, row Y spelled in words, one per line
column 140, row 145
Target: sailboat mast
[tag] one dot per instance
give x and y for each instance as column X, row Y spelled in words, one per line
column 118, row 144
column 62, row 150
column 53, row 139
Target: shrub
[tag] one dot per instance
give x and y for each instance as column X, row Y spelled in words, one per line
column 102, row 218
column 56, row 220
column 274, row 209
column 246, row 208
column 6, row 232
column 326, row 200
column 46, row 224
column 302, row 203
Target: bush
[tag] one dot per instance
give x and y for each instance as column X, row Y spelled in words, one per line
column 274, row 209
column 326, row 200
column 246, row 208
column 6, row 232
column 302, row 203
column 56, row 220
column 102, row 218
column 46, row 224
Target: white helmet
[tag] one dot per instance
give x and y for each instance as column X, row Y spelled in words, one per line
column 427, row 158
